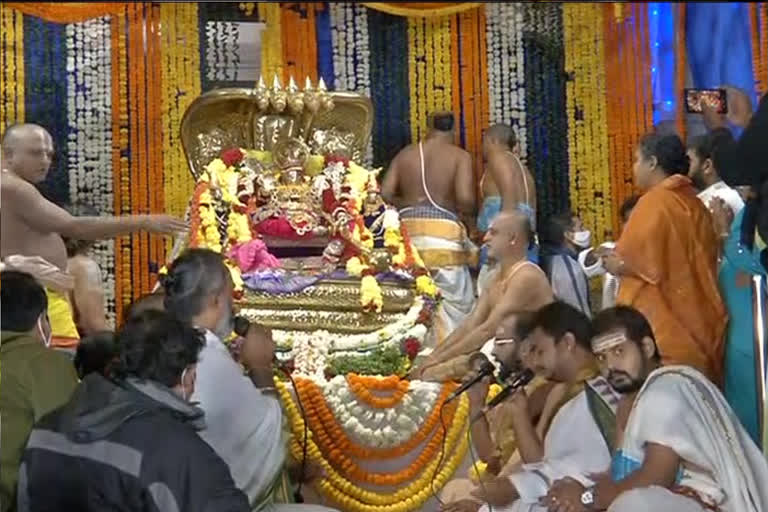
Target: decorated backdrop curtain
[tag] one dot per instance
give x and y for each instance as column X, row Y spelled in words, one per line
column 422, row 9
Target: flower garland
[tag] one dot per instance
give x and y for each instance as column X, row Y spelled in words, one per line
column 506, row 67
column 681, row 68
column 429, row 70
column 223, row 55
column 12, row 66
column 351, row 52
column 586, row 114
column 352, row 497
column 545, row 106
column 299, row 41
column 89, row 162
column 758, row 30
column 362, row 385
column 180, row 55
column 271, row 40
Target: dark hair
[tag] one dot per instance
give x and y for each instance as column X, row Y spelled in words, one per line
column 627, row 206
column 74, row 246
column 148, row 302
column 668, row 150
column 559, row 318
column 554, row 229
column 191, row 279
column 442, row 121
column 706, row 145
column 22, row 301
column 96, row 353
column 633, row 322
column 155, row 345
column 502, row 133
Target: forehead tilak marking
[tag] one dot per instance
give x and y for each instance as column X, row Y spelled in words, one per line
column 608, row 341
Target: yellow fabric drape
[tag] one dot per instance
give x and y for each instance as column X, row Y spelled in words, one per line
column 422, row 9
column 67, row 12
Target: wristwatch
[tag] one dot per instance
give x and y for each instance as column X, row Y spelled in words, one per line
column 588, row 498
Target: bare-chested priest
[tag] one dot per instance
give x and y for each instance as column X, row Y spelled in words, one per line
column 519, row 286
column 32, row 226
column 432, row 184
column 507, row 185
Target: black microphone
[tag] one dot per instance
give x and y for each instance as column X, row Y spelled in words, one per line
column 520, row 380
column 486, row 368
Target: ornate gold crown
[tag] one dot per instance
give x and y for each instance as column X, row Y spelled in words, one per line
column 261, row 118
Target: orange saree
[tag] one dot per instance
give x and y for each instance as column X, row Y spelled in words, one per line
column 670, row 247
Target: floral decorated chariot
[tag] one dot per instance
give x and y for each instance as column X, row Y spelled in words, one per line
column 317, row 256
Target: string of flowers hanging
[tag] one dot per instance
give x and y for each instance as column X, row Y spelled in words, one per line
column 586, row 114
column 681, row 65
column 223, row 54
column 758, row 30
column 11, row 66
column 506, row 67
column 299, row 41
column 271, row 39
column 89, row 162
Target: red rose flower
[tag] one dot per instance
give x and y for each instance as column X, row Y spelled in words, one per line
column 332, row 159
column 232, row 156
column 411, row 348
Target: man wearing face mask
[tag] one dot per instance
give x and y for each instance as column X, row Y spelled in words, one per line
column 562, row 238
column 242, row 413
column 36, row 379
column 131, row 443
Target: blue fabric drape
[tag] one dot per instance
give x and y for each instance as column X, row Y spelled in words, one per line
column 45, row 99
column 719, row 46
column 661, row 25
column 324, row 46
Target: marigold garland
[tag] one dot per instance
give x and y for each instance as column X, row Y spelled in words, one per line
column 351, row 496
column 362, row 385
column 758, row 30
column 11, row 66
column 271, row 40
column 681, row 68
column 299, row 41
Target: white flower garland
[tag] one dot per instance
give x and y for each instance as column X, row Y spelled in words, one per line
column 380, row 428
column 222, row 50
column 506, row 67
column 351, row 52
column 89, row 119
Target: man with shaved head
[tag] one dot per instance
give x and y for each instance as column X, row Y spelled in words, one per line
column 33, row 227
column 519, row 287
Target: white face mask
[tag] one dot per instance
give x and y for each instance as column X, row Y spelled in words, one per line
column 45, row 337
column 582, row 238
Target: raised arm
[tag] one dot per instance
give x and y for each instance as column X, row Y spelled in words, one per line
column 44, row 216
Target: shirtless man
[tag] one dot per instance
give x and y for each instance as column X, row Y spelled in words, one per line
column 32, row 227
column 519, row 286
column 432, row 184
column 507, row 185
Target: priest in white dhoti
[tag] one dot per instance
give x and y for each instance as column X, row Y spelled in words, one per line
column 559, row 351
column 243, row 416
column 682, row 450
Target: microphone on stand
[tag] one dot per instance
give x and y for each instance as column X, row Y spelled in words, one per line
column 520, row 379
column 484, row 369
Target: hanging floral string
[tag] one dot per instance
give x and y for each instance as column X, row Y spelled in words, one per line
column 271, row 40
column 586, row 114
column 299, row 41
column 180, row 55
column 11, row 66
column 758, row 30
column 681, row 68
column 89, row 163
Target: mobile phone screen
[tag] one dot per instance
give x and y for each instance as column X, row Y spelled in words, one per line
column 696, row 98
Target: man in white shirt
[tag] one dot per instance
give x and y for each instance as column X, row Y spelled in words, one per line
column 703, row 173
column 243, row 415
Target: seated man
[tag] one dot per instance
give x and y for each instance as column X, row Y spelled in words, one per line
column 433, row 186
column 559, row 351
column 682, row 447
column 36, row 379
column 132, row 443
column 520, row 286
column 242, row 413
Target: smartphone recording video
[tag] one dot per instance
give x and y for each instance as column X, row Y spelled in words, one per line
column 695, row 99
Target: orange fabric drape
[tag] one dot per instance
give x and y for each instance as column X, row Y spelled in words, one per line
column 422, row 9
column 68, row 12
column 297, row 21
column 629, row 101
column 472, row 80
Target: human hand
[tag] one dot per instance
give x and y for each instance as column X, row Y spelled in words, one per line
column 564, row 496
column 722, row 216
column 712, row 118
column 612, row 262
column 165, row 224
column 478, row 393
column 461, row 506
column 739, row 107
column 498, row 492
column 258, row 348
